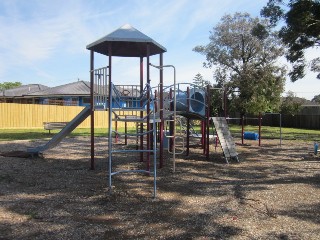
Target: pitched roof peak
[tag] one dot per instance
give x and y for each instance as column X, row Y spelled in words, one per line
column 126, row 41
column 126, row 26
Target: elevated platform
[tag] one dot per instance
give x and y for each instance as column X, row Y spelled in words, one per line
column 130, row 118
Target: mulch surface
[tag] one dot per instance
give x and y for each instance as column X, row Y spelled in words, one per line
column 273, row 193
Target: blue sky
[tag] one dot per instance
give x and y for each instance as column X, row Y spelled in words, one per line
column 44, row 41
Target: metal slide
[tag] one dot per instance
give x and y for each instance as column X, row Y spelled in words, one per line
column 226, row 140
column 63, row 133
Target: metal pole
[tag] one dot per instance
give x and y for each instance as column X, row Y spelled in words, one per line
column 174, row 118
column 259, row 128
column 242, row 129
column 148, row 108
column 174, row 112
column 207, row 120
column 141, row 112
column 188, row 121
column 280, row 130
column 92, row 107
column 125, row 131
column 154, row 124
column 116, row 132
column 225, row 102
column 161, row 112
column 110, row 120
column 170, row 141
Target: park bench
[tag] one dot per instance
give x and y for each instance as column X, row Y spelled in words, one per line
column 54, row 125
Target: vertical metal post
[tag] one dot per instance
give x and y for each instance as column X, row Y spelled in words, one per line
column 141, row 112
column 208, row 97
column 202, row 134
column 188, row 121
column 280, row 130
column 116, row 132
column 225, row 102
column 174, row 112
column 125, row 131
column 154, row 162
column 110, row 118
column 188, row 136
column 170, row 140
column 92, row 108
column 161, row 111
column 148, row 108
column 242, row 128
column 260, row 128
column 174, row 117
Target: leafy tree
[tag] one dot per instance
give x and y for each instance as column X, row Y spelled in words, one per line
column 9, row 85
column 217, row 94
column 244, row 52
column 291, row 104
column 316, row 99
column 301, row 30
column 199, row 81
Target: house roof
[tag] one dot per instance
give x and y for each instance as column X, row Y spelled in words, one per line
column 71, row 89
column 79, row 88
column 22, row 90
column 126, row 41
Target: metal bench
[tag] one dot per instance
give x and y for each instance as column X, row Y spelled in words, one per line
column 54, row 125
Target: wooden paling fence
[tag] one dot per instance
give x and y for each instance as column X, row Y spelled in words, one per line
column 24, row 116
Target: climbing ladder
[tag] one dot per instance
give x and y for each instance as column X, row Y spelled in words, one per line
column 145, row 101
column 226, row 140
column 126, row 99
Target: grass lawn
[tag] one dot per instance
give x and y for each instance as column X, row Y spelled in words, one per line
column 266, row 132
column 30, row 134
column 274, row 132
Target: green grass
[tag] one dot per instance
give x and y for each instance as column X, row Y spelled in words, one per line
column 31, row 134
column 266, row 132
column 274, row 132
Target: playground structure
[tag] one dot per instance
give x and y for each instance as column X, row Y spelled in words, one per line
column 156, row 106
column 159, row 109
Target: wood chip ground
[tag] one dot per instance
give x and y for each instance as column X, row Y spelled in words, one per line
column 273, row 193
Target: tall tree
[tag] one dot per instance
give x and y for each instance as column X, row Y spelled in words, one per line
column 291, row 104
column 301, row 30
column 244, row 52
column 316, row 99
column 9, row 85
column 199, row 81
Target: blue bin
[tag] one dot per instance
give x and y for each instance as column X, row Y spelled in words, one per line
column 251, row 135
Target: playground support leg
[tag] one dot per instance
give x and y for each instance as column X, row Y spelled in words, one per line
column 110, row 120
column 126, row 131
column 188, row 135
column 202, row 134
column 280, row 129
column 141, row 113
column 208, row 121
column 116, row 133
column 188, row 121
column 260, row 128
column 171, row 122
column 148, row 108
column 204, row 139
column 161, row 128
column 92, row 108
column 242, row 129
